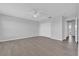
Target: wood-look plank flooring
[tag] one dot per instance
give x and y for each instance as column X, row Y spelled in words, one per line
column 38, row 46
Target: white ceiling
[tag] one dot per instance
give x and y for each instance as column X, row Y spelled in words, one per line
column 25, row 10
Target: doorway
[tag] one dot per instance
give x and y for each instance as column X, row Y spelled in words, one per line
column 71, row 30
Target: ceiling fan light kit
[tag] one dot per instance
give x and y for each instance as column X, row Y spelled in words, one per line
column 35, row 15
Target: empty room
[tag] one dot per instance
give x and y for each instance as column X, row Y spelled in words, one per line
column 39, row 29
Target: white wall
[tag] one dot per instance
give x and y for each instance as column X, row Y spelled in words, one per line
column 64, row 29
column 56, row 28
column 45, row 29
column 13, row 27
column 52, row 29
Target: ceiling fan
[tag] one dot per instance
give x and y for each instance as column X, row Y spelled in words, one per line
column 36, row 12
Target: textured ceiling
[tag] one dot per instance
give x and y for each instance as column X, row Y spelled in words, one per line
column 26, row 10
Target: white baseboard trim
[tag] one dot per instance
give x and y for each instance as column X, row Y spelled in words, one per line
column 53, row 38
column 18, row 38
column 56, row 39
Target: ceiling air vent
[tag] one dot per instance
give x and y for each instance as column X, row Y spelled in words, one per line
column 49, row 17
